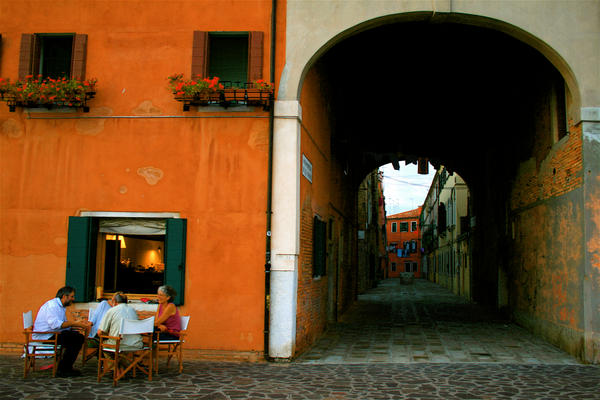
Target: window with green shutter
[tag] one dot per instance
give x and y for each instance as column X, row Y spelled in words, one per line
column 53, row 55
column 133, row 255
column 231, row 56
column 228, row 57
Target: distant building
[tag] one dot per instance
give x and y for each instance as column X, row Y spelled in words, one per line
column 404, row 243
column 445, row 226
column 372, row 257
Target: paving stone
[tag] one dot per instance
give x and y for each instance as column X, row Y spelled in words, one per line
column 439, row 325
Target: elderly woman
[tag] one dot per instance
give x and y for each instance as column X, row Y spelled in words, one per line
column 167, row 320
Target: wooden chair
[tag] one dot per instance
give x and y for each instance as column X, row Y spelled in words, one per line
column 90, row 344
column 110, row 355
column 38, row 348
column 173, row 347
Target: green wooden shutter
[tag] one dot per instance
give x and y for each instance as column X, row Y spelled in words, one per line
column 175, row 256
column 81, row 245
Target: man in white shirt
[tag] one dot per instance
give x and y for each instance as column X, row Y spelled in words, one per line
column 111, row 323
column 52, row 318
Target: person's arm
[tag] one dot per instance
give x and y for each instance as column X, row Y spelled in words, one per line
column 73, row 322
column 167, row 312
column 56, row 319
column 76, row 324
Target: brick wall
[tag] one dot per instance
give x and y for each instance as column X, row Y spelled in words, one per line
column 311, row 311
column 558, row 173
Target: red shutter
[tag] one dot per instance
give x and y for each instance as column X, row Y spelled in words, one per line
column 255, row 55
column 26, row 55
column 200, row 54
column 79, row 56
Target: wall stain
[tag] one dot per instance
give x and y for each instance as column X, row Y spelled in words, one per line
column 147, row 108
column 12, row 128
column 93, row 126
column 151, row 174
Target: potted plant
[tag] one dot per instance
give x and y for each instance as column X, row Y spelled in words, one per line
column 198, row 91
column 259, row 93
column 47, row 92
column 207, row 91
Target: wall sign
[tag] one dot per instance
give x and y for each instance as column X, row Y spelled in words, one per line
column 306, row 168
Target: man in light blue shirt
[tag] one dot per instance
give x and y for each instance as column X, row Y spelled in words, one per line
column 52, row 319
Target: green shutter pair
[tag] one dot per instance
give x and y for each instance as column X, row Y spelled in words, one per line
column 81, row 257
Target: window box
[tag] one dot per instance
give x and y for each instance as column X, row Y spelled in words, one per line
column 47, row 93
column 210, row 92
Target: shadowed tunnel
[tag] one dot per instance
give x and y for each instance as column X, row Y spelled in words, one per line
column 472, row 99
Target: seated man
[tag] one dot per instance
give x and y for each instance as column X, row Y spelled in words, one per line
column 52, row 318
column 99, row 312
column 111, row 323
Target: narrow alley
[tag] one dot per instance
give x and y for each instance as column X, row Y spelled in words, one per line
column 424, row 322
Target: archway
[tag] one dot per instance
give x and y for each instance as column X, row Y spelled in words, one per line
column 480, row 102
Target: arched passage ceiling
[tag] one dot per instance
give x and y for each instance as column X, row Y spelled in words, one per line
column 456, row 94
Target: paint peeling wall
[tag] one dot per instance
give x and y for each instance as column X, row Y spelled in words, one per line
column 137, row 151
column 546, row 268
column 591, row 172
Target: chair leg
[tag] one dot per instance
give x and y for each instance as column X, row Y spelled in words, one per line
column 26, row 367
column 55, row 364
column 180, row 346
column 150, row 366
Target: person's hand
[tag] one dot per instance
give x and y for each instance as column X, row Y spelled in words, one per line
column 162, row 328
column 84, row 324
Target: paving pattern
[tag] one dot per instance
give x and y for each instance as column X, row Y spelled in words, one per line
column 397, row 342
column 224, row 381
column 424, row 322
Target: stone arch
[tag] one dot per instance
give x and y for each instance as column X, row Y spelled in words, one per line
column 291, row 89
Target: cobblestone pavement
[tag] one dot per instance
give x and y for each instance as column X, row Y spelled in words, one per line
column 224, row 381
column 397, row 342
column 424, row 322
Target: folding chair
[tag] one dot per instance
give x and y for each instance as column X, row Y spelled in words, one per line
column 172, row 347
column 38, row 348
column 111, row 355
column 90, row 344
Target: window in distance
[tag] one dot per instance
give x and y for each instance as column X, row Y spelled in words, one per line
column 403, row 226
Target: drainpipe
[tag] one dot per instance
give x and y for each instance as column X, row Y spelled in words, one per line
column 270, row 181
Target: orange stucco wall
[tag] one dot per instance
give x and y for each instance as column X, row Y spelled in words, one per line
column 213, row 171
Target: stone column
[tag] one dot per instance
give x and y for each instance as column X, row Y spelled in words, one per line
column 285, row 240
column 590, row 117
